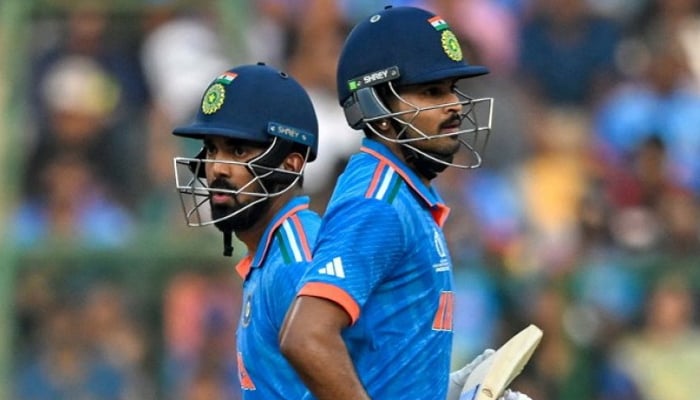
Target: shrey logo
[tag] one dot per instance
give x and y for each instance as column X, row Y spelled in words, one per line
column 373, row 78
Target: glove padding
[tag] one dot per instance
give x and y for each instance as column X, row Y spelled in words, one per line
column 511, row 395
column 459, row 377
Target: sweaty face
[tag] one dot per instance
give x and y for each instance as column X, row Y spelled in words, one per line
column 232, row 185
column 443, row 119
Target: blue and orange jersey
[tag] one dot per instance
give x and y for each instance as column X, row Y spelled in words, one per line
column 382, row 256
column 270, row 279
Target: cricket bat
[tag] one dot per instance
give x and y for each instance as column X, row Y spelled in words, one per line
column 491, row 378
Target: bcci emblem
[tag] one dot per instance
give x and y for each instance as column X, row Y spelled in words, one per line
column 451, row 45
column 213, row 98
column 247, row 310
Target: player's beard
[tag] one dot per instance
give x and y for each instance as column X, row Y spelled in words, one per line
column 443, row 149
column 246, row 213
column 448, row 146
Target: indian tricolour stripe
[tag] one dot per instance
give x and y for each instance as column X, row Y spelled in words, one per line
column 438, row 23
column 393, row 190
column 226, row 77
column 292, row 240
column 384, row 184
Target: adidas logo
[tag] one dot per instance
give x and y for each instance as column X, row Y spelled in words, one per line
column 333, row 268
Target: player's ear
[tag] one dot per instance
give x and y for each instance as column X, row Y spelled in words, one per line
column 293, row 162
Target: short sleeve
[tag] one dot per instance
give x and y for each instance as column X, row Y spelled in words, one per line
column 360, row 242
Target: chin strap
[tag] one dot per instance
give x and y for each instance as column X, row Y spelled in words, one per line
column 424, row 166
column 228, row 247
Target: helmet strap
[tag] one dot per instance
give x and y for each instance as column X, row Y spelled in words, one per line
column 228, row 246
column 423, row 165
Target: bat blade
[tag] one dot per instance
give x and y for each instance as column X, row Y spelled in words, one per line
column 491, row 378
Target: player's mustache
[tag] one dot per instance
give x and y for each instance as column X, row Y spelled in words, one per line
column 220, row 183
column 223, row 184
column 454, row 119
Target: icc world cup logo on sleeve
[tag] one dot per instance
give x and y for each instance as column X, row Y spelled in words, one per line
column 247, row 310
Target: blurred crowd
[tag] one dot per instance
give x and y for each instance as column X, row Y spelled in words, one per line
column 584, row 220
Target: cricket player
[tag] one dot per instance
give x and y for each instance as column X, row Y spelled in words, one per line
column 258, row 129
column 373, row 315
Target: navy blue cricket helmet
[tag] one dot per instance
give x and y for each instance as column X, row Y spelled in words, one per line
column 258, row 103
column 405, row 45
column 254, row 103
column 401, row 46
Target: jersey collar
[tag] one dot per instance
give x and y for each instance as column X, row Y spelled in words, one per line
column 427, row 194
column 295, row 205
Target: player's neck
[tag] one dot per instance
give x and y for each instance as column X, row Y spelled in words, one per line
column 251, row 236
column 396, row 149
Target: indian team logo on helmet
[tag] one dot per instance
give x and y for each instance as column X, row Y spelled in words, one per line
column 451, row 45
column 213, row 98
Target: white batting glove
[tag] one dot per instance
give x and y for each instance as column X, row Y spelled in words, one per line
column 459, row 377
column 511, row 395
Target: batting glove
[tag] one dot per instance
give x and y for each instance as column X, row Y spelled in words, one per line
column 511, row 395
column 459, row 377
